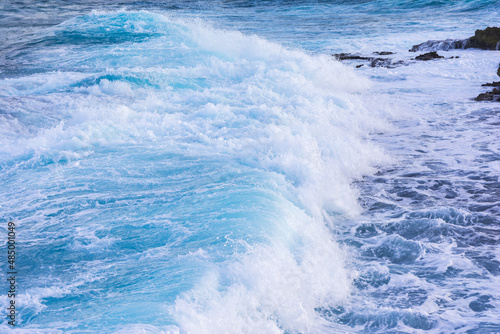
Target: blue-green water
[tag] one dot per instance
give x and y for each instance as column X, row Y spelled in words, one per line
column 208, row 167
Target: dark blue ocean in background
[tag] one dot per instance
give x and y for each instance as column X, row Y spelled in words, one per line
column 209, row 167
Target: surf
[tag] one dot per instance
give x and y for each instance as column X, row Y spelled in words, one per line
column 228, row 157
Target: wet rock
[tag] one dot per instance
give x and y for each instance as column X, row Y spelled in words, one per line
column 492, row 84
column 385, row 62
column 498, row 71
column 428, row 56
column 350, row 56
column 444, row 45
column 380, row 62
column 486, row 39
column 373, row 61
column 493, row 96
column 383, row 53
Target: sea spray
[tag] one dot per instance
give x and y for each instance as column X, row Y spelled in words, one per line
column 187, row 169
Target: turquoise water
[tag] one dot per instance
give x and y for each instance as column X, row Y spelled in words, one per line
column 208, row 167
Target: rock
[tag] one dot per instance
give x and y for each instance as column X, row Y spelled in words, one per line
column 444, row 45
column 385, row 62
column 383, row 53
column 380, row 62
column 428, row 56
column 493, row 96
column 487, row 39
column 350, row 56
column 374, row 61
column 492, row 84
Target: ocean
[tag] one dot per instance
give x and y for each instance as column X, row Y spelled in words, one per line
column 211, row 167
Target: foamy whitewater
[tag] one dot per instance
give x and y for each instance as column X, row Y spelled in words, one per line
column 209, row 167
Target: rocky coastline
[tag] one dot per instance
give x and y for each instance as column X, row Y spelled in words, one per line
column 485, row 39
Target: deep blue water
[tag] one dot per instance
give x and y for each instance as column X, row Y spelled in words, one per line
column 208, row 167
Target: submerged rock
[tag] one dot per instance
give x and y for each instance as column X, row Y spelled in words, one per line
column 428, row 56
column 493, row 96
column 373, row 61
column 350, row 56
column 383, row 53
column 385, row 62
column 444, row 45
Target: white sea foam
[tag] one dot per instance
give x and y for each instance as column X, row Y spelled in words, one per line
column 294, row 113
column 222, row 94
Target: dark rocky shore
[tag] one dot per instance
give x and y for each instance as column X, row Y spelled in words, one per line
column 493, row 95
column 486, row 39
column 385, row 62
column 372, row 61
